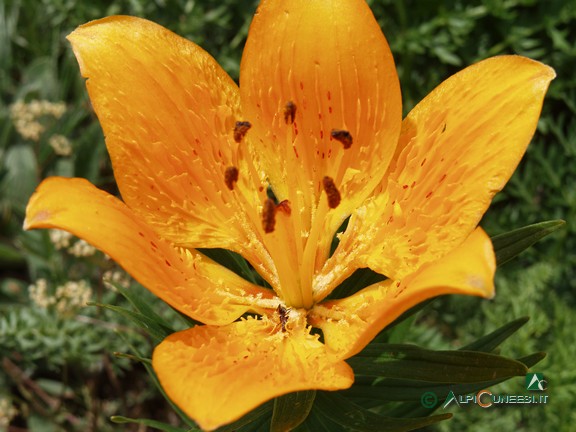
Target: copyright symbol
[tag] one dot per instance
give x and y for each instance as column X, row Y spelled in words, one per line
column 429, row 399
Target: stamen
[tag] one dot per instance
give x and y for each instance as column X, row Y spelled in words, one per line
column 289, row 112
column 269, row 216
column 240, row 130
column 343, row 136
column 331, row 191
column 231, row 177
column 284, row 207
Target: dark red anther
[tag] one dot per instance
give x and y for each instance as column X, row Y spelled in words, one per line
column 269, row 216
column 241, row 129
column 231, row 177
column 331, row 191
column 342, row 136
column 289, row 112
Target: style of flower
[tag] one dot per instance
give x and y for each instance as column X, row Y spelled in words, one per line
column 316, row 120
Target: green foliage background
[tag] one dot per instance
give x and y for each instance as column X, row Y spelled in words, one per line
column 65, row 375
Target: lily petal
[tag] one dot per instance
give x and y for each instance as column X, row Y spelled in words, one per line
column 218, row 374
column 351, row 323
column 310, row 69
column 458, row 148
column 188, row 281
column 168, row 112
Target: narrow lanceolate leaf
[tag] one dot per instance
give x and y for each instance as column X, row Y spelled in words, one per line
column 142, row 306
column 396, row 390
column 342, row 411
column 415, row 389
column 317, row 422
column 234, row 262
column 10, row 256
column 291, row 410
column 532, row 359
column 251, row 422
column 510, row 244
column 147, row 363
column 412, row 362
column 491, row 341
column 153, row 328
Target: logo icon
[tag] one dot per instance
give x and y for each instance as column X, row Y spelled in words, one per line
column 429, row 399
column 450, row 398
column 535, row 381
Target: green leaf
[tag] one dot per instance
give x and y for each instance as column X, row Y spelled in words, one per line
column 141, row 306
column 510, row 244
column 317, row 422
column 147, row 363
column 492, row 340
column 412, row 362
column 253, row 421
column 22, row 177
column 361, row 278
column 10, row 256
column 410, row 313
column 151, row 423
column 342, row 411
column 234, row 262
column 291, row 410
column 152, row 327
column 415, row 389
column 391, row 389
column 532, row 359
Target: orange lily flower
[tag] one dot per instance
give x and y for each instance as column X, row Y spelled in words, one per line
column 316, row 118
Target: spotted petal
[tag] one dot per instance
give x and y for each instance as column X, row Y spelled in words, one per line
column 218, row 374
column 351, row 323
column 188, row 281
column 168, row 112
column 458, row 148
column 308, row 69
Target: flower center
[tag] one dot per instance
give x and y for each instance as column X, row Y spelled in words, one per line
column 290, row 319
